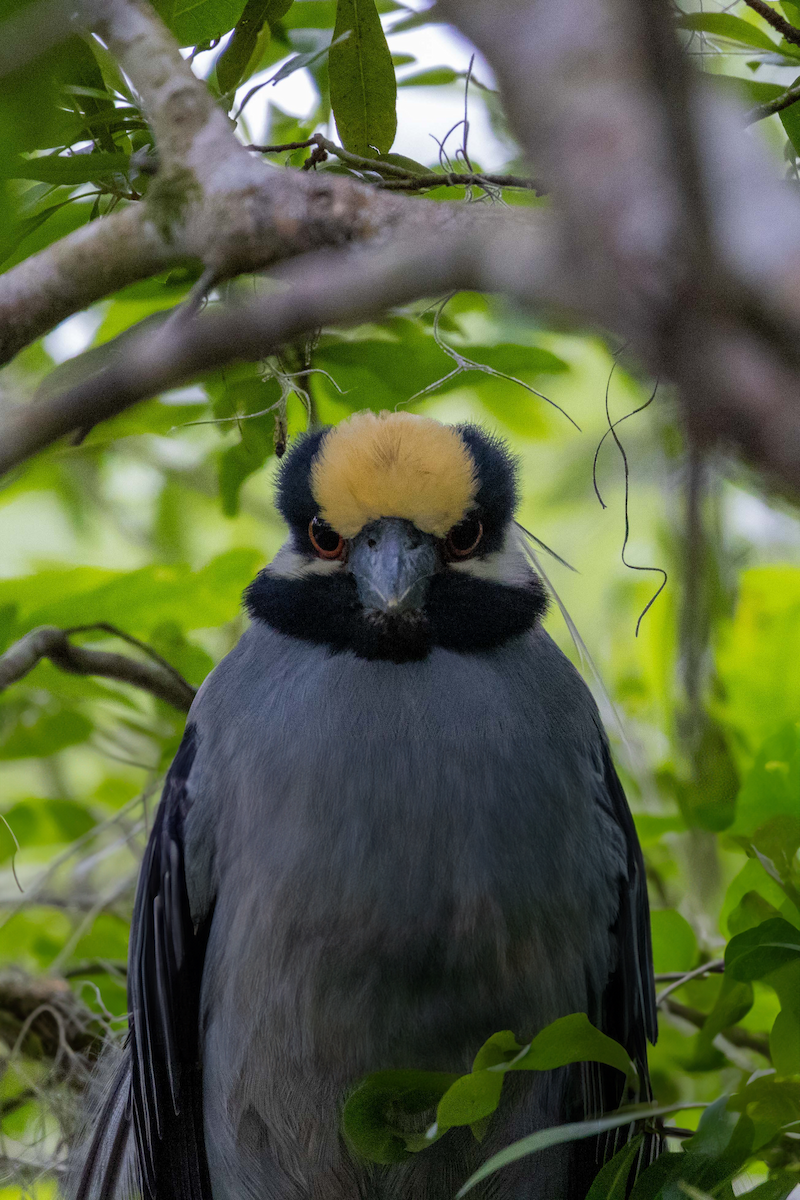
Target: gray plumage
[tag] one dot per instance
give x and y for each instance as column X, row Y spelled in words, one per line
column 363, row 863
column 463, row 879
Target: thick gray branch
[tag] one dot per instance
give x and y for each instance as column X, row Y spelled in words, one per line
column 700, row 274
column 154, row 676
column 211, row 201
column 92, row 262
column 323, row 289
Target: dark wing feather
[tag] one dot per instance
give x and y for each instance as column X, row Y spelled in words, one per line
column 157, row 1095
column 626, row 1010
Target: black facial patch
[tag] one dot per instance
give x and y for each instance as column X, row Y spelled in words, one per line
column 497, row 496
column 294, row 497
column 326, row 609
column 461, row 612
column 467, row 613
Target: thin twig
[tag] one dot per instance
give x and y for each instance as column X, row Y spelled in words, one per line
column 759, row 111
column 775, row 19
column 401, row 178
column 156, row 677
column 707, row 968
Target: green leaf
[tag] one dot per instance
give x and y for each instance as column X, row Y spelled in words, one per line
column 559, row 1134
column 573, row 1039
column 232, row 63
column 470, row 1099
column 301, row 61
column 46, row 736
column 777, row 842
column 790, row 119
column 612, row 1182
column 140, row 600
column 751, row 910
column 734, row 1001
column 70, row 170
column 784, row 1042
column 674, row 941
column 362, row 80
column 432, row 77
column 390, row 1109
column 758, row 695
column 43, row 822
column 772, row 786
column 499, row 1048
column 718, row 1150
column 727, row 26
column 753, row 878
column 756, row 952
column 195, row 21
column 401, row 160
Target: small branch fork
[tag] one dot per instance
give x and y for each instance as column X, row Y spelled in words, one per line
column 397, row 177
column 770, row 107
column 155, row 676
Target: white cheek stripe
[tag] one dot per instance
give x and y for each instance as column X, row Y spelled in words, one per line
column 507, row 565
column 288, row 564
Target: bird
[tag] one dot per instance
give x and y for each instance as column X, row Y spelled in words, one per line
column 393, row 828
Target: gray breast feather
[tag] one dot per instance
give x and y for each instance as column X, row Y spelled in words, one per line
column 402, row 860
column 405, row 858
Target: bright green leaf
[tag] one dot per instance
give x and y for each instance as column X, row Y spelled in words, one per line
column 362, row 80
column 726, row 25
column 674, row 941
column 195, row 21
column 573, row 1039
column 432, row 77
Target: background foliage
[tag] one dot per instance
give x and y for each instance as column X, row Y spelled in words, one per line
column 156, row 521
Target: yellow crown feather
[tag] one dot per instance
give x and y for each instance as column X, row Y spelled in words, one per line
column 393, row 465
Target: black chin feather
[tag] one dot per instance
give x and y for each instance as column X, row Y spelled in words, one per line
column 461, row 613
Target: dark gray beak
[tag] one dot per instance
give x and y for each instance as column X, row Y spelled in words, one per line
column 392, row 563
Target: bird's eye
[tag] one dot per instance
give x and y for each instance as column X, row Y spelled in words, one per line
column 464, row 537
column 325, row 540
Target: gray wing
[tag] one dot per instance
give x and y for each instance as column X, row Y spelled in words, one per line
column 151, row 1124
column 626, row 1010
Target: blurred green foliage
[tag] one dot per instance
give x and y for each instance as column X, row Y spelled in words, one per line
column 160, row 517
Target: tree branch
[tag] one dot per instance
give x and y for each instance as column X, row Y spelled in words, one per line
column 402, row 177
column 48, row 1017
column 759, row 111
column 775, row 19
column 333, row 288
column 735, row 1035
column 210, row 201
column 156, row 676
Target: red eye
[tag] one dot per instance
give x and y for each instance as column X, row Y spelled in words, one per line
column 464, row 537
column 325, row 540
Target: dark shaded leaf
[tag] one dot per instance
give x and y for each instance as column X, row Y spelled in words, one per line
column 756, row 952
column 72, row 169
column 612, row 1182
column 389, row 1109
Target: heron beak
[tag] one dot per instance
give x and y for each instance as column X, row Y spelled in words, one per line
column 392, row 563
